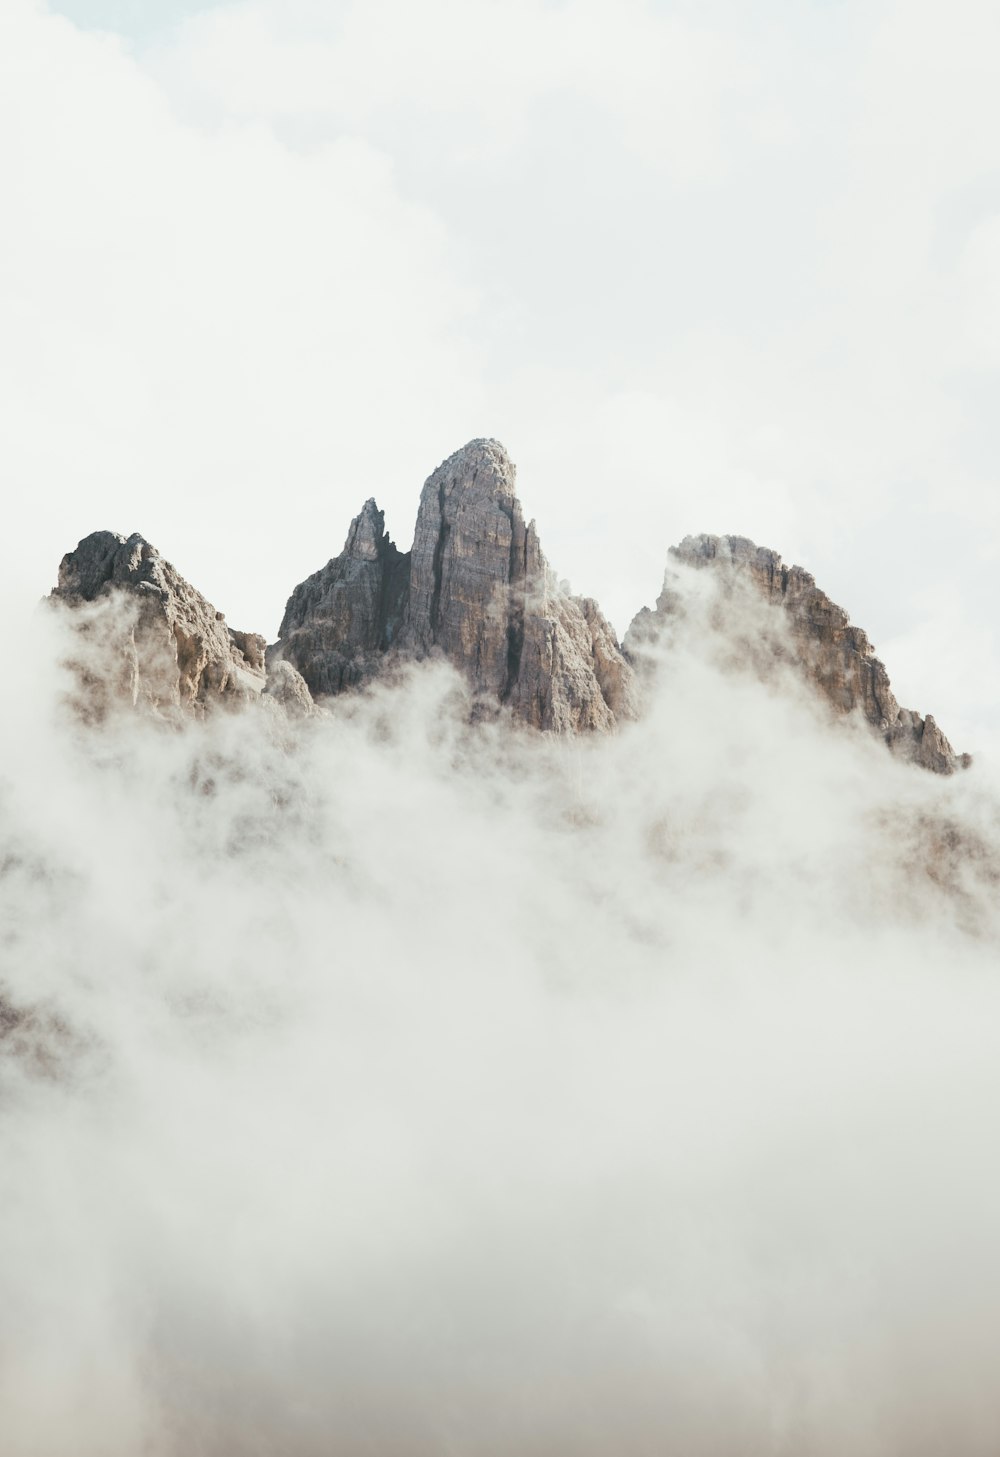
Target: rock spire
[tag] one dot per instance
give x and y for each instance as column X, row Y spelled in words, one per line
column 340, row 622
column 476, row 589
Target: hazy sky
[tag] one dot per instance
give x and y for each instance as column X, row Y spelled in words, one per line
column 700, row 266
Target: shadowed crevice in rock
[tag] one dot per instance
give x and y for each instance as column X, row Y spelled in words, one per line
column 392, row 598
column 829, row 651
column 517, row 576
column 478, row 591
column 444, row 531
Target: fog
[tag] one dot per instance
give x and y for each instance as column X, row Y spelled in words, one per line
column 382, row 1084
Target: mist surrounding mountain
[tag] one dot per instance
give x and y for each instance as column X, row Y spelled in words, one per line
column 448, row 1029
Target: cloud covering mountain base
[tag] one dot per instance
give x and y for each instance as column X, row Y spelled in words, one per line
column 375, row 1083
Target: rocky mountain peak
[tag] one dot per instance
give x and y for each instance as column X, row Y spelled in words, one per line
column 470, row 549
column 367, row 533
column 476, row 589
column 480, row 469
column 341, row 621
column 146, row 636
column 828, row 650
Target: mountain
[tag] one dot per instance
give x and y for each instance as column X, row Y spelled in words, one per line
column 476, row 589
column 145, row 636
column 834, row 656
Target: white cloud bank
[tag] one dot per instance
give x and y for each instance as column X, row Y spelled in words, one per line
column 393, row 1087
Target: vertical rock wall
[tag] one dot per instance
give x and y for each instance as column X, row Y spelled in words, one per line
column 476, row 589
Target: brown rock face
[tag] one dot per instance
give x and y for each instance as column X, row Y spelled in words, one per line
column 834, row 655
column 146, row 636
column 472, row 560
column 475, row 588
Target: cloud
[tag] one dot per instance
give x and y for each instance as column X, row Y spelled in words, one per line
column 386, row 1083
column 659, row 80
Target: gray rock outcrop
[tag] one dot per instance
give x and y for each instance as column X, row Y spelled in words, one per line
column 834, row 655
column 340, row 622
column 475, row 588
column 144, row 635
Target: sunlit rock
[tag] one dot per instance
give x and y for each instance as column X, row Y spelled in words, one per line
column 826, row 648
column 143, row 635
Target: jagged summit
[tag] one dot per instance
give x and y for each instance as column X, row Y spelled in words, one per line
column 367, row 531
column 340, row 622
column 830, row 651
column 171, row 649
column 178, row 650
column 483, row 461
column 470, row 545
column 476, row 589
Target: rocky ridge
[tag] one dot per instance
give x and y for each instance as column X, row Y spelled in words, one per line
column 475, row 589
column 169, row 649
column 340, row 622
column 836, row 657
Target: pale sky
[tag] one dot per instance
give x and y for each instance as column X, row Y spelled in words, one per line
column 701, row 267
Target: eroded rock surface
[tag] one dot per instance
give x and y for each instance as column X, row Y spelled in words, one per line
column 476, row 588
column 144, row 635
column 832, row 653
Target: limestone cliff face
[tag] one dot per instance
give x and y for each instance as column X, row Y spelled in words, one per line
column 833, row 654
column 146, row 636
column 475, row 588
column 473, row 559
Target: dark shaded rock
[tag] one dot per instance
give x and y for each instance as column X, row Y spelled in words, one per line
column 832, row 653
column 340, row 622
